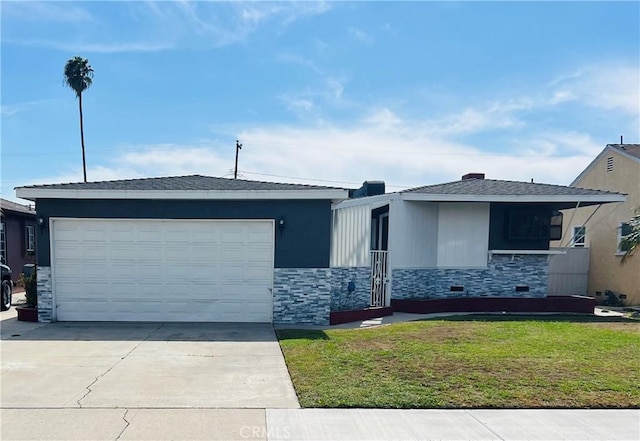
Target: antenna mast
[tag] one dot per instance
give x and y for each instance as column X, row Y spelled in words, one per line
column 238, row 148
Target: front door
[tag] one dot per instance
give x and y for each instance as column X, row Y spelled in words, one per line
column 379, row 262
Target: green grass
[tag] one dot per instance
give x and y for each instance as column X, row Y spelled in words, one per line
column 468, row 362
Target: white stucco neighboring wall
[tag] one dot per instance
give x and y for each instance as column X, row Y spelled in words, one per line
column 463, row 234
column 351, row 236
column 413, row 235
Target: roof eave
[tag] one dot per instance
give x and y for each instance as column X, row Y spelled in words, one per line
column 33, row 194
column 592, row 199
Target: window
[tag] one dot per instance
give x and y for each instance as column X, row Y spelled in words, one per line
column 3, row 243
column 528, row 225
column 579, row 234
column 623, row 230
column 609, row 164
column 555, row 226
column 30, row 237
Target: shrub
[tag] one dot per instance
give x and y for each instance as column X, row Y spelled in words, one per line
column 30, row 284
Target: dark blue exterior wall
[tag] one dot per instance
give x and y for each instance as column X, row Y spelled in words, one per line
column 304, row 242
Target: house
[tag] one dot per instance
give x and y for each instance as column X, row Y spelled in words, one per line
column 616, row 168
column 17, row 235
column 188, row 248
column 198, row 248
column 475, row 238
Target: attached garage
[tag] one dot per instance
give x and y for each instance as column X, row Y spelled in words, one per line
column 183, row 249
column 163, row 270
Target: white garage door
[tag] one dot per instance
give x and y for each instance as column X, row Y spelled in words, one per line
column 162, row 270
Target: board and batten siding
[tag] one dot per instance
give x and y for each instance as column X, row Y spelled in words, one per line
column 351, row 236
column 413, row 234
column 463, row 235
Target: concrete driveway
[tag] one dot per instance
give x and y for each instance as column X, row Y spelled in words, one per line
column 108, row 373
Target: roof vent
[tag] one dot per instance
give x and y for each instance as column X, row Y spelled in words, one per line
column 473, row 176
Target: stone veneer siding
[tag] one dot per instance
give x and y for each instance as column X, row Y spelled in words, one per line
column 301, row 296
column 45, row 296
column 499, row 279
column 341, row 298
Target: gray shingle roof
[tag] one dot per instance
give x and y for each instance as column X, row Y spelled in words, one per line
column 490, row 187
column 6, row 205
column 631, row 149
column 184, row 183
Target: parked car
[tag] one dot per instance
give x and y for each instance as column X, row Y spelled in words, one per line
column 7, row 287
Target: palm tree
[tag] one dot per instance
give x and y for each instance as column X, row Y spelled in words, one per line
column 78, row 75
column 631, row 241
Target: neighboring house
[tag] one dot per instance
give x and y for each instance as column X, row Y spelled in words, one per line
column 473, row 238
column 616, row 168
column 17, row 235
column 198, row 248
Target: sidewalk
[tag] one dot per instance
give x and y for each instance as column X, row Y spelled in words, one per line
column 316, row 424
column 480, row 424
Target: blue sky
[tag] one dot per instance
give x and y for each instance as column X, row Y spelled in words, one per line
column 412, row 93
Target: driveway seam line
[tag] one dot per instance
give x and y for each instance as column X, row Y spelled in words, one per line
column 88, row 388
column 284, row 360
column 486, row 426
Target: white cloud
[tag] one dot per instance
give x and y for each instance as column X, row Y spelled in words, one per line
column 360, row 35
column 613, row 85
column 8, row 110
column 153, row 26
column 94, row 47
column 382, row 145
column 60, row 12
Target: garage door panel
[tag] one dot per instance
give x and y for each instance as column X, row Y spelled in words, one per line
column 120, row 234
column 149, row 253
column 257, row 274
column 204, row 253
column 175, row 235
column 163, row 270
column 69, row 251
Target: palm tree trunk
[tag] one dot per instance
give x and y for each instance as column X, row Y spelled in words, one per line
column 84, row 164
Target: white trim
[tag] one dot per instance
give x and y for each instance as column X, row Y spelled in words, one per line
column 54, row 308
column 599, row 199
column 575, row 244
column 57, row 193
column 426, row 197
column 619, row 236
column 374, row 201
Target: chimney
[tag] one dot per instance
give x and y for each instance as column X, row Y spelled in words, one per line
column 473, row 176
column 369, row 188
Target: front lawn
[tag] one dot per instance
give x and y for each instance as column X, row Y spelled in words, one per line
column 468, row 362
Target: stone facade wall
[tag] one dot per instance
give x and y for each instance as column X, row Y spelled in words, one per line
column 341, row 298
column 302, row 296
column 499, row 279
column 45, row 294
